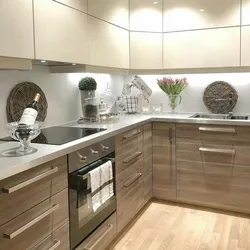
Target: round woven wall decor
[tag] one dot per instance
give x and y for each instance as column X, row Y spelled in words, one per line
column 220, row 97
column 20, row 96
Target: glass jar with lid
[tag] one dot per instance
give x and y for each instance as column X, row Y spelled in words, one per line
column 91, row 110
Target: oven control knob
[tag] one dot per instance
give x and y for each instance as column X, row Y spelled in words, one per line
column 82, row 158
column 104, row 148
column 94, row 152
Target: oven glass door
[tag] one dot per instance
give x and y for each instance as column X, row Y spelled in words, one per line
column 83, row 219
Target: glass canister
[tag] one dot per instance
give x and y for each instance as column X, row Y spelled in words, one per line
column 91, row 110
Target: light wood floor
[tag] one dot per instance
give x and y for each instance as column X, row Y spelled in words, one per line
column 163, row 226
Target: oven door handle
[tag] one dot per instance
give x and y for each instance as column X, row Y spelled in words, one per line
column 110, row 227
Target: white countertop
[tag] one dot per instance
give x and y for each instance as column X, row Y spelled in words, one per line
column 13, row 165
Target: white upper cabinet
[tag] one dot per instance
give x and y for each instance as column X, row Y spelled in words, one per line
column 202, row 48
column 60, row 32
column 245, row 48
column 199, row 14
column 16, row 29
column 76, row 4
column 108, row 44
column 245, row 12
column 113, row 11
column 145, row 50
column 146, row 15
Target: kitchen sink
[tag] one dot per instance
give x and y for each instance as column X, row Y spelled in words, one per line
column 220, row 117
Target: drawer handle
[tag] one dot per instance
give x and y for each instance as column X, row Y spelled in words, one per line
column 57, row 243
column 138, row 154
column 130, row 182
column 13, row 189
column 222, row 130
column 127, row 137
column 31, row 223
column 219, row 151
column 110, row 227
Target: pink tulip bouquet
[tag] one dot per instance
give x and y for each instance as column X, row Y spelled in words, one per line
column 173, row 89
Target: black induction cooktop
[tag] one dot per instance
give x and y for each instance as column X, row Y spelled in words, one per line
column 60, row 135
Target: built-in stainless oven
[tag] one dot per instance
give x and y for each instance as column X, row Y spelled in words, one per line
column 83, row 218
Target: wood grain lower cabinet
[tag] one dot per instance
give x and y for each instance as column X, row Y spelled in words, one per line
column 21, row 192
column 102, row 237
column 34, row 225
column 58, row 240
column 164, row 169
column 213, row 166
column 130, row 198
column 134, row 173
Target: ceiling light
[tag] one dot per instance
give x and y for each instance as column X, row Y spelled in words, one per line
column 155, row 2
column 73, row 64
column 43, row 61
column 202, row 10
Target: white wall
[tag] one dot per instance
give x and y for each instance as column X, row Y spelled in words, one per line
column 193, row 94
column 61, row 91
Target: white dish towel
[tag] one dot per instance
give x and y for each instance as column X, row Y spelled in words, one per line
column 101, row 180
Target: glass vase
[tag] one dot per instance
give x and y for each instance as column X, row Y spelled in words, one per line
column 174, row 101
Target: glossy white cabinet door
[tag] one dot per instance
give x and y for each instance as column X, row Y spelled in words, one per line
column 16, row 29
column 145, row 50
column 113, row 11
column 199, row 14
column 202, row 48
column 146, row 15
column 77, row 4
column 60, row 32
column 245, row 46
column 245, row 12
column 108, row 44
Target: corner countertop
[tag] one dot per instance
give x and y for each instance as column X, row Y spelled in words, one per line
column 14, row 165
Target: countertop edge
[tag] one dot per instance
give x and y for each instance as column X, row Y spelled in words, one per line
column 78, row 144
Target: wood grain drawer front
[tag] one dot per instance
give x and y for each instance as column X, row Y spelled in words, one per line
column 25, row 190
column 213, row 134
column 203, row 183
column 130, row 199
column 128, row 165
column 164, row 173
column 101, row 237
column 128, row 141
column 31, row 227
column 209, row 183
column 209, row 153
column 163, row 134
column 58, row 240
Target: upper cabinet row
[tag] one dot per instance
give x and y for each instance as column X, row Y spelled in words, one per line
column 171, row 15
column 166, row 15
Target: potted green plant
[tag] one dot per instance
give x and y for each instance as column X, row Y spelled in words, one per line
column 87, row 86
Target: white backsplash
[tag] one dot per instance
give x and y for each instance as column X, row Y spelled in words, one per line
column 61, row 91
column 63, row 95
column 192, row 97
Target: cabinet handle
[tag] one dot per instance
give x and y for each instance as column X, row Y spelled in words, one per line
column 31, row 223
column 138, row 154
column 13, row 189
column 170, row 135
column 219, row 151
column 110, row 227
column 133, row 179
column 127, row 137
column 222, row 130
column 57, row 243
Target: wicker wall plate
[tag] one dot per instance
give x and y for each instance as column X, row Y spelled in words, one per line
column 20, row 96
column 220, row 97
